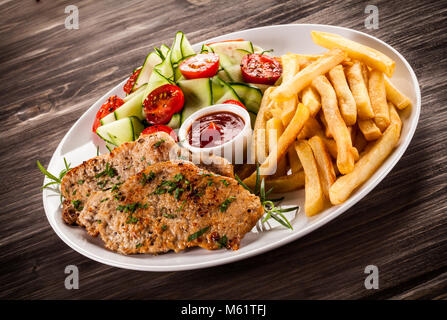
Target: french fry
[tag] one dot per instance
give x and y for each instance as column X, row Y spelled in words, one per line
column 259, row 145
column 290, row 66
column 377, row 94
column 311, row 99
column 359, row 91
column 288, row 183
column 327, row 131
column 331, row 146
column 314, row 198
column 395, row 96
column 288, row 110
column 346, row 101
column 294, row 161
column 286, row 139
column 337, row 127
column 360, row 142
column 365, row 167
column 311, row 128
column 324, row 162
column 369, row 129
column 274, row 129
column 303, row 78
column 371, row 57
column 394, row 116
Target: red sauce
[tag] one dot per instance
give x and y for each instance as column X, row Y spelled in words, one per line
column 215, row 129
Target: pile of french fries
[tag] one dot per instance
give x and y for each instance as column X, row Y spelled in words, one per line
column 329, row 123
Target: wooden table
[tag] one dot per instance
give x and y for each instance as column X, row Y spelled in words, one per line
column 51, row 75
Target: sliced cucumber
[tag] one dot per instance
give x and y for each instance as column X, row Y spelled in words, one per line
column 222, row 91
column 206, row 49
column 252, row 119
column 198, row 94
column 120, row 131
column 155, row 81
column 108, row 119
column 222, row 74
column 250, row 95
column 166, row 68
column 110, row 146
column 164, row 50
column 233, row 50
column 176, row 49
column 137, row 127
column 175, row 121
column 152, row 59
column 260, row 86
column 133, row 94
column 133, row 107
column 186, row 47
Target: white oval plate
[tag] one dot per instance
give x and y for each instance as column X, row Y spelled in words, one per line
column 79, row 144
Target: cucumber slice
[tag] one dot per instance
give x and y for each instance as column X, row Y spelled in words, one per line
column 222, row 91
column 120, row 131
column 222, row 74
column 260, row 86
column 108, row 118
column 234, row 50
column 176, row 49
column 152, row 59
column 250, row 95
column 198, row 94
column 166, row 68
column 133, row 107
column 164, row 50
column 137, row 127
column 110, row 146
column 206, row 49
column 230, row 57
column 133, row 94
column 252, row 119
column 175, row 121
column 155, row 81
column 116, row 132
column 186, row 47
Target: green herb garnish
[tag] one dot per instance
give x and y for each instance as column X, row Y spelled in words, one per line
column 107, row 171
column 223, row 241
column 77, row 205
column 158, row 143
column 224, row 206
column 198, row 233
column 271, row 211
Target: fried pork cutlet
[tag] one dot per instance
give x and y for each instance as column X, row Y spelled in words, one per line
column 172, row 205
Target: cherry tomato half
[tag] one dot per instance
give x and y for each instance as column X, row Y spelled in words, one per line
column 130, row 83
column 208, row 44
column 259, row 68
column 160, row 127
column 108, row 107
column 238, row 103
column 162, row 103
column 202, row 65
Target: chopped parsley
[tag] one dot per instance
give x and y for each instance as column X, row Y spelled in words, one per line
column 80, row 181
column 130, row 208
column 198, row 233
column 224, row 206
column 225, row 182
column 138, row 245
column 77, row 205
column 158, row 143
column 169, row 216
column 164, row 227
column 147, row 177
column 223, row 241
column 109, row 171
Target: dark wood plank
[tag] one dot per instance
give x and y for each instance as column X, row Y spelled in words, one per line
column 52, row 75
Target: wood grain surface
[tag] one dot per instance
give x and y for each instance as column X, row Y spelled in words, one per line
column 51, row 75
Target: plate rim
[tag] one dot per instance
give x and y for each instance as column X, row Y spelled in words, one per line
column 398, row 153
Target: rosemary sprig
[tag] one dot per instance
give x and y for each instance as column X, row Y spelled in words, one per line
column 271, row 211
column 56, row 180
